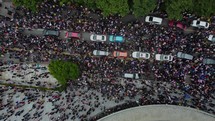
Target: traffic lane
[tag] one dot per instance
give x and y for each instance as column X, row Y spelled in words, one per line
column 85, row 36
column 165, row 22
column 62, row 34
column 37, row 32
column 189, row 30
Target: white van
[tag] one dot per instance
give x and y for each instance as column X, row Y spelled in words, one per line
column 184, row 56
column 131, row 76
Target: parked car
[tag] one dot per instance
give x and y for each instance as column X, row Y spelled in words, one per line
column 153, row 20
column 95, row 37
column 72, row 35
column 100, row 53
column 113, row 38
column 200, row 24
column 162, row 57
column 131, row 76
column 120, row 54
column 211, row 38
column 208, row 61
column 178, row 24
column 143, row 55
column 184, row 56
column 49, row 32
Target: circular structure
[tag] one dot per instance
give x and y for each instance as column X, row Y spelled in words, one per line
column 159, row 113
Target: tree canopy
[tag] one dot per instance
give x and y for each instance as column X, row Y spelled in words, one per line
column 174, row 8
column 30, row 4
column 64, row 71
column 204, row 8
column 113, row 7
column 143, row 7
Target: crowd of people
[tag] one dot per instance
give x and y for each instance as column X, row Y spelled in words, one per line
column 31, row 74
column 101, row 74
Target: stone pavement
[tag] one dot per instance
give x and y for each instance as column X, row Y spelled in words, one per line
column 28, row 74
column 6, row 6
column 50, row 102
column 160, row 113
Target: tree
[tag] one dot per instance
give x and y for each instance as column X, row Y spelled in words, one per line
column 64, row 71
column 113, row 7
column 87, row 3
column 175, row 8
column 204, row 8
column 30, row 4
column 143, row 7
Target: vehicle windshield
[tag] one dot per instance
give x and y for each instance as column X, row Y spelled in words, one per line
column 150, row 18
column 117, row 53
column 165, row 57
column 198, row 22
column 103, row 37
column 94, row 37
column 147, row 55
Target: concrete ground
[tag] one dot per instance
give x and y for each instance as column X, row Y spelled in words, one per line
column 28, row 73
column 6, row 5
column 79, row 99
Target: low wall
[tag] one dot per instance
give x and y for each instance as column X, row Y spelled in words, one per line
column 160, row 113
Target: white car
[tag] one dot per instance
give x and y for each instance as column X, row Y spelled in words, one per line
column 200, row 24
column 211, row 38
column 131, row 76
column 154, row 20
column 184, row 56
column 208, row 61
column 95, row 37
column 143, row 55
column 162, row 57
column 100, row 53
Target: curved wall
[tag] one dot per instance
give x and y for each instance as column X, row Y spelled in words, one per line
column 159, row 113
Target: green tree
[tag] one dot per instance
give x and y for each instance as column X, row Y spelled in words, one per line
column 204, row 8
column 64, row 71
column 175, row 8
column 113, row 7
column 87, row 3
column 143, row 7
column 30, row 4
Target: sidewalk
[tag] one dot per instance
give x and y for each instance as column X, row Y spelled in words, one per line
column 6, row 6
column 27, row 74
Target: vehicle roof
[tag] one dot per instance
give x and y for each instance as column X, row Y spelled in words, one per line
column 157, row 19
column 72, row 34
column 95, row 52
column 208, row 61
column 125, row 54
column 50, row 32
column 180, row 25
column 130, row 75
column 113, row 38
column 201, row 23
column 184, row 55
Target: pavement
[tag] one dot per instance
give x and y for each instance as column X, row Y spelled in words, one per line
column 28, row 75
column 6, row 6
column 80, row 99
